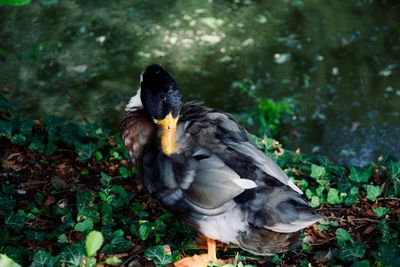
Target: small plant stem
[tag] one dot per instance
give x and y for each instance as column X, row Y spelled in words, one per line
column 365, row 219
column 74, row 102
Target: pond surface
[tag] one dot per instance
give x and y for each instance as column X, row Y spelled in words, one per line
column 338, row 60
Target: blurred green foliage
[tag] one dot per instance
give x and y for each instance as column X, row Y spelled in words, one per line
column 266, row 114
column 14, row 2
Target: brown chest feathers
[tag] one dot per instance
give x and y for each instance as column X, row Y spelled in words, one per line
column 137, row 130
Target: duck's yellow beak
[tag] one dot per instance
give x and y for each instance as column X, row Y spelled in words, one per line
column 168, row 134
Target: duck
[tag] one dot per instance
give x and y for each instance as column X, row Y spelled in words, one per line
column 204, row 167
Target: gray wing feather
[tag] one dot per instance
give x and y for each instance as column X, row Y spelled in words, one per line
column 210, row 212
column 237, row 139
column 261, row 161
column 209, row 185
column 213, row 187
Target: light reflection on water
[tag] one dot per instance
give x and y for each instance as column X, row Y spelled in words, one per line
column 339, row 60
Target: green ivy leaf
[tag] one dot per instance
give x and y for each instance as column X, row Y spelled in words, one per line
column 17, row 253
column 51, row 124
column 85, row 206
column 44, row 259
column 85, row 226
column 320, row 191
column 7, row 202
column 121, row 196
column 50, row 148
column 62, row 239
column 15, row 221
column 25, row 127
column 352, row 252
column 317, row 171
column 37, row 145
column 315, row 201
column 381, row 211
column 91, row 262
column 27, row 215
column 118, row 233
column 35, row 235
column 325, row 225
column 114, row 155
column 85, row 152
column 388, row 254
column 333, row 196
column 394, row 169
column 337, row 170
column 343, row 237
column 105, row 179
column 106, row 213
column 93, row 242
column 114, row 260
column 105, row 196
column 352, row 196
column 18, row 139
column 98, row 156
column 359, row 175
column 124, row 172
column 72, row 255
column 5, row 129
column 71, row 134
column 145, row 230
column 349, row 250
column 7, row 262
column 161, row 255
column 309, row 193
column 373, row 192
column 139, row 211
column 364, row 263
column 344, row 186
column 118, row 244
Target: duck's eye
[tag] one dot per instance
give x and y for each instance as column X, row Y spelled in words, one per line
column 162, row 97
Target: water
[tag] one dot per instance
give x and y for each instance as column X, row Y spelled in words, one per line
column 339, row 61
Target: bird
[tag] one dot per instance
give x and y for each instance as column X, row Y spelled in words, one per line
column 204, row 167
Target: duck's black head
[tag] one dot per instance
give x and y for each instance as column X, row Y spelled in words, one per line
column 161, row 98
column 160, row 94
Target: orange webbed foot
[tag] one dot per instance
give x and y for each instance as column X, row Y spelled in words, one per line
column 201, row 260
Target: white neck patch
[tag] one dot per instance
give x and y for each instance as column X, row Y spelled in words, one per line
column 135, row 102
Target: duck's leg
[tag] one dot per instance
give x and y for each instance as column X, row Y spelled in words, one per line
column 201, row 260
column 211, row 249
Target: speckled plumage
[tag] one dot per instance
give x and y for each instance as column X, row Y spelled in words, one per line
column 217, row 181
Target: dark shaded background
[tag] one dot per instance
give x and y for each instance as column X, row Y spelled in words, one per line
column 338, row 60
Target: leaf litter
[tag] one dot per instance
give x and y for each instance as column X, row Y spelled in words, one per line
column 51, row 199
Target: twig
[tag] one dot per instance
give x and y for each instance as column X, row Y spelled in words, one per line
column 389, row 198
column 74, row 102
column 37, row 184
column 129, row 259
column 13, row 155
column 365, row 219
column 323, row 243
column 147, row 203
column 64, row 150
column 335, row 208
column 353, row 219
